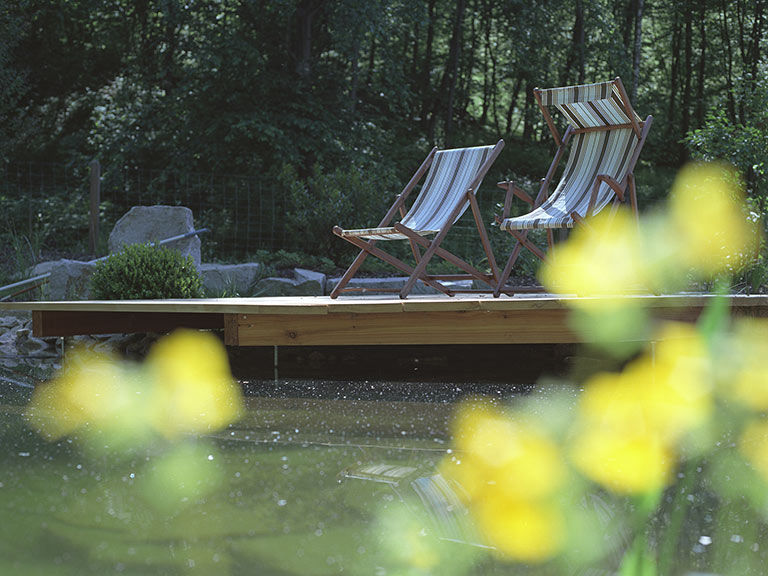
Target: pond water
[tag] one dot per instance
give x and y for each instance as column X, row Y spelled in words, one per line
column 321, row 476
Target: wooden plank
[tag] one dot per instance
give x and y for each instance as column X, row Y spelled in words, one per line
column 322, row 305
column 231, row 333
column 46, row 323
column 463, row 327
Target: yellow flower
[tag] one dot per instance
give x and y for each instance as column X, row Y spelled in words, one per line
column 624, row 463
column 521, row 530
column 749, row 386
column 604, row 258
column 709, row 220
column 753, row 444
column 194, row 389
column 92, row 392
column 631, row 424
column 511, row 473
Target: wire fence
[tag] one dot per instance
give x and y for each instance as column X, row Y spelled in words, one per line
column 48, row 205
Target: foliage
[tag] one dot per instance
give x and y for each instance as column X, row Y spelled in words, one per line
column 348, row 197
column 743, row 143
column 313, row 94
column 141, row 271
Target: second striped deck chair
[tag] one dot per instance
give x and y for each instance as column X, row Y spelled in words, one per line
column 606, row 137
column 450, row 187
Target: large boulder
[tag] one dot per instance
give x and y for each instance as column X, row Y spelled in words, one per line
column 221, row 280
column 69, row 280
column 368, row 285
column 303, row 283
column 143, row 224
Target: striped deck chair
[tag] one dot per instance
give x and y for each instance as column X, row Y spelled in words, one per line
column 450, row 187
column 606, row 137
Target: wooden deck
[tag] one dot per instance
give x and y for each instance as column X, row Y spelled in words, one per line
column 372, row 320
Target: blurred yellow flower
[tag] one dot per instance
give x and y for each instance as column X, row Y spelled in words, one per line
column 624, row 463
column 631, row 424
column 604, row 258
column 753, row 444
column 92, row 392
column 521, row 530
column 194, row 389
column 708, row 217
column 511, row 472
column 749, row 383
column 185, row 386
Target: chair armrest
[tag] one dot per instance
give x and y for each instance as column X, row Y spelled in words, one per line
column 512, row 190
column 613, row 183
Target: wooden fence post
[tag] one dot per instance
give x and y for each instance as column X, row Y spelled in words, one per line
column 95, row 199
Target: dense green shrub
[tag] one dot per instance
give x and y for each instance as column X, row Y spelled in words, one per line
column 144, row 272
column 353, row 197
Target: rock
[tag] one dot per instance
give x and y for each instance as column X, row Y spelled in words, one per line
column 286, row 287
column 301, row 276
column 40, row 268
column 229, row 279
column 10, row 321
column 69, row 280
column 143, row 224
column 28, row 345
column 369, row 285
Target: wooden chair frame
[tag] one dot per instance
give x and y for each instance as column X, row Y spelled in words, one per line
column 431, row 247
column 625, row 190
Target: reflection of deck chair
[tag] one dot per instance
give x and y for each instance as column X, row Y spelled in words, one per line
column 607, row 136
column 449, row 188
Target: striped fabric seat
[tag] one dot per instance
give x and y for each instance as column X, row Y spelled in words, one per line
column 604, row 143
column 592, row 153
column 446, row 184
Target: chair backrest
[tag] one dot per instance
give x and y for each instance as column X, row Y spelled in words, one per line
column 450, row 176
column 606, row 137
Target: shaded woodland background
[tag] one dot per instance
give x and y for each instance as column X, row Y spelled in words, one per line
column 321, row 109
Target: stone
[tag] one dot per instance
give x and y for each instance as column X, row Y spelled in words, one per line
column 11, row 321
column 369, row 285
column 40, row 268
column 69, row 280
column 28, row 345
column 302, row 275
column 142, row 224
column 286, row 287
column 221, row 280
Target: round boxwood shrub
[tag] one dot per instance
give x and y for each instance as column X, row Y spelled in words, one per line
column 144, row 272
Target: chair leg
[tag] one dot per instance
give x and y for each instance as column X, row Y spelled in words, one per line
column 421, row 267
column 352, row 270
column 370, row 248
column 507, row 272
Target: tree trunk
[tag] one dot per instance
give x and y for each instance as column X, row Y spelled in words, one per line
column 512, row 102
column 355, row 65
column 674, row 75
column 426, row 70
column 728, row 55
column 576, row 53
column 638, row 50
column 454, row 55
column 702, row 65
column 304, row 15
column 467, row 74
column 371, row 60
column 685, row 123
column 529, row 113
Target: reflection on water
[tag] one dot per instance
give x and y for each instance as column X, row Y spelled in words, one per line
column 318, row 477
column 303, row 485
